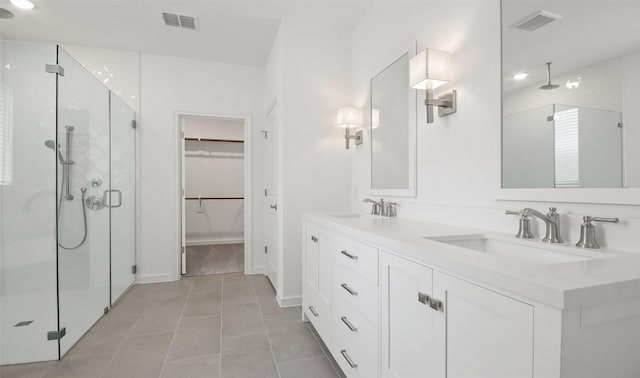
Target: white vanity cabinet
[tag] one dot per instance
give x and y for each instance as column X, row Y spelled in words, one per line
column 388, row 304
column 481, row 333
column 316, row 282
column 432, row 321
column 407, row 322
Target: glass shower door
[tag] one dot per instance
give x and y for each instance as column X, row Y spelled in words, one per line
column 83, row 220
column 28, row 161
column 121, row 197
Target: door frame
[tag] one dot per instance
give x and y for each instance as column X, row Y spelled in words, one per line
column 248, row 184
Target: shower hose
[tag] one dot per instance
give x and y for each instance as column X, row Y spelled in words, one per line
column 84, row 217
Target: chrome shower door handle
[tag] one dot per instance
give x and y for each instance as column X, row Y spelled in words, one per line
column 107, row 198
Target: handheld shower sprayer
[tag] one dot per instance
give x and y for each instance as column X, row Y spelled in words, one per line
column 52, row 145
column 65, row 183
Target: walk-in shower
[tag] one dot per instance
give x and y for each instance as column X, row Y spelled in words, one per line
column 67, row 200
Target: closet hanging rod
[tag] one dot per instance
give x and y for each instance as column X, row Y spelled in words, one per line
column 213, row 198
column 214, row 140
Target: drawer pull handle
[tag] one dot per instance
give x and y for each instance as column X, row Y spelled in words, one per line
column 349, row 360
column 348, row 324
column 314, row 239
column 352, row 257
column 313, row 311
column 349, row 290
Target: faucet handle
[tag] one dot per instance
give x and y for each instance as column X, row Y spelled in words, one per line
column 524, row 231
column 392, row 209
column 587, row 231
column 589, row 219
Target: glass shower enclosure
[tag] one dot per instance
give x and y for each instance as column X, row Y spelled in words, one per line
column 67, row 199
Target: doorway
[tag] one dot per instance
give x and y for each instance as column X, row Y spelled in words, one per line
column 215, row 194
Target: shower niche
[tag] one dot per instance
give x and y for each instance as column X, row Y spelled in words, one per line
column 67, row 181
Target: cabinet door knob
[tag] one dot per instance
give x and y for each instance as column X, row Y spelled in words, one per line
column 349, row 290
column 352, row 257
column 349, row 360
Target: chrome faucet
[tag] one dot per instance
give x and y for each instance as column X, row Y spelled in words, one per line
column 375, row 206
column 386, row 209
column 551, row 220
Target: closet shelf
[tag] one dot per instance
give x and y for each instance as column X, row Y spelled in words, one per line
column 213, row 198
column 215, row 140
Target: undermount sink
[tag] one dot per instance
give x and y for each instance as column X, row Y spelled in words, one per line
column 526, row 251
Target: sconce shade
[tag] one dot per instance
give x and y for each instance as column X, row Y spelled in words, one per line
column 375, row 118
column 429, row 69
column 348, row 118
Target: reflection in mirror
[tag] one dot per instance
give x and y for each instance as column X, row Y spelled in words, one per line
column 393, row 108
column 572, row 123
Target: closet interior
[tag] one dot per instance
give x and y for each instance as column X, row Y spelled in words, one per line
column 214, row 189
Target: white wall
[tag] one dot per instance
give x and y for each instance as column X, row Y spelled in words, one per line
column 214, row 169
column 171, row 85
column 309, row 72
column 459, row 155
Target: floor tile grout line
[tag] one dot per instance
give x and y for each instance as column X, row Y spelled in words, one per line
column 184, row 305
column 221, row 317
column 266, row 331
column 324, row 351
column 115, row 352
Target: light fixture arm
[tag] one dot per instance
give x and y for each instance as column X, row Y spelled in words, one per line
column 348, row 136
column 447, row 104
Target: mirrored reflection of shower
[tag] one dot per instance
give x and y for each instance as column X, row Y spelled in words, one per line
column 67, row 162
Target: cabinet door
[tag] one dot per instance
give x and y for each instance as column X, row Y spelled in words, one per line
column 325, row 271
column 406, row 322
column 486, row 334
column 311, row 258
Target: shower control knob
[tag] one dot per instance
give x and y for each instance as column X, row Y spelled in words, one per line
column 95, row 202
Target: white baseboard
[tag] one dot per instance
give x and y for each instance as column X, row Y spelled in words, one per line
column 153, row 278
column 256, row 270
column 220, row 241
column 289, row 301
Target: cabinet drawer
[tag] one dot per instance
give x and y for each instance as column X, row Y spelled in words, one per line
column 359, row 257
column 317, row 311
column 356, row 353
column 353, row 293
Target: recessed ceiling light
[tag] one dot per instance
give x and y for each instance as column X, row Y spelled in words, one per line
column 23, row 4
column 520, row 76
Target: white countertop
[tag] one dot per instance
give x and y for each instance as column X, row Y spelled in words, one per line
column 564, row 285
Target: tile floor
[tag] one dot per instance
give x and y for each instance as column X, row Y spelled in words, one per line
column 207, row 326
column 215, row 259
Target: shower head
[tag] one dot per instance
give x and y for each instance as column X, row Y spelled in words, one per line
column 52, row 145
column 549, row 85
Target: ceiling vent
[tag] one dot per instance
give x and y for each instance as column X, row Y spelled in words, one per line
column 536, row 20
column 180, row 21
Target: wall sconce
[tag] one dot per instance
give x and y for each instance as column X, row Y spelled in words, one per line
column 348, row 118
column 429, row 70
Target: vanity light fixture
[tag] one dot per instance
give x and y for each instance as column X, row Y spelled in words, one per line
column 429, row 70
column 349, row 118
column 520, row 76
column 23, row 4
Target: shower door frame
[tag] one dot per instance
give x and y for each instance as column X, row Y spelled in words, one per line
column 247, row 188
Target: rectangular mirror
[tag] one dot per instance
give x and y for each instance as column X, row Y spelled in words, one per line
column 570, row 88
column 393, row 129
